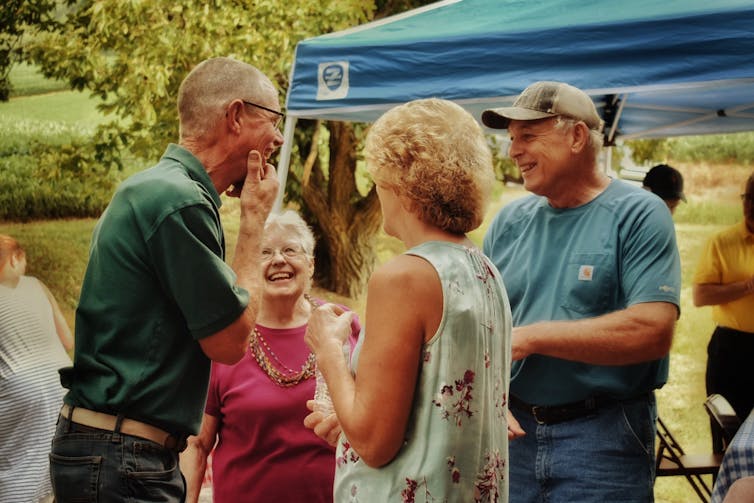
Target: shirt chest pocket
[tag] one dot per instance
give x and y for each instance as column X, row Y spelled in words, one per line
column 590, row 283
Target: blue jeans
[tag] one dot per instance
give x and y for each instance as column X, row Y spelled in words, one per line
column 93, row 465
column 605, row 457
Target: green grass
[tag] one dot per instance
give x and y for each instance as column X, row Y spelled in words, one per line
column 55, row 119
column 28, row 80
column 58, row 109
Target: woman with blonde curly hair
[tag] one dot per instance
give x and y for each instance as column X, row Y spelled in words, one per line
column 423, row 415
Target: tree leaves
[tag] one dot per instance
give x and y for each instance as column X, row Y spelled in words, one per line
column 134, row 54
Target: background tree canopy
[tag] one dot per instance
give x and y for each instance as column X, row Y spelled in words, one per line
column 19, row 18
column 133, row 56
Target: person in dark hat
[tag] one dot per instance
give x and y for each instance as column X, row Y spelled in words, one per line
column 593, row 274
column 666, row 182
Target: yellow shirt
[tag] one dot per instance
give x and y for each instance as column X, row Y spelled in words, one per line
column 729, row 257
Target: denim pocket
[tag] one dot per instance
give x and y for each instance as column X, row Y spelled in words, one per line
column 152, row 461
column 75, row 479
column 153, row 470
column 639, row 423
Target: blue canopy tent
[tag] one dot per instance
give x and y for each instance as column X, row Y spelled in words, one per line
column 654, row 69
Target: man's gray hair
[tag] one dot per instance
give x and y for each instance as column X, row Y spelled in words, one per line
column 211, row 85
column 595, row 137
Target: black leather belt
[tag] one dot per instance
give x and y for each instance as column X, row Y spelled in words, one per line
column 553, row 414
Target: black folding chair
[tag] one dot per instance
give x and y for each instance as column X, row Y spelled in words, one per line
column 673, row 461
column 723, row 419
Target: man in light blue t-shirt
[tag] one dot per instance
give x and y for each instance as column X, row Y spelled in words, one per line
column 593, row 274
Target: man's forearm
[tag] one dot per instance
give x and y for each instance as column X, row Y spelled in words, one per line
column 712, row 294
column 640, row 333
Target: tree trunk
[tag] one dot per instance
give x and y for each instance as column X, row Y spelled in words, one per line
column 346, row 222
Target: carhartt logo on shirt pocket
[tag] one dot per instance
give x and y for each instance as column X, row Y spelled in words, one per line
column 589, row 283
column 586, row 272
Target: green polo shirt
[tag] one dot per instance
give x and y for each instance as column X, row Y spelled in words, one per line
column 155, row 284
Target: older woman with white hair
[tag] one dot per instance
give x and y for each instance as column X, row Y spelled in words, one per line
column 255, row 408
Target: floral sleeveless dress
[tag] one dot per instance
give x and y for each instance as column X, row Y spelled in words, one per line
column 456, row 445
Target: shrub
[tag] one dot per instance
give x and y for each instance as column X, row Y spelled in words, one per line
column 30, row 189
column 54, row 168
column 722, row 148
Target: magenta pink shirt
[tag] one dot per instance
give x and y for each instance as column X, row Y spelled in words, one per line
column 264, row 452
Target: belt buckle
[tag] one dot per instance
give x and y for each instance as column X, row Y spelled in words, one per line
column 535, row 411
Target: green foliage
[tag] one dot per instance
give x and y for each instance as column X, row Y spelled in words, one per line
column 55, row 187
column 27, row 80
column 19, row 18
column 505, row 169
column 648, row 151
column 48, row 168
column 719, row 148
column 722, row 148
column 133, row 55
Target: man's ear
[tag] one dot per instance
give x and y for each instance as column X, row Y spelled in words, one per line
column 580, row 134
column 233, row 116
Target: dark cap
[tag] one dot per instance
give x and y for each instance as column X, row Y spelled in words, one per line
column 546, row 99
column 665, row 181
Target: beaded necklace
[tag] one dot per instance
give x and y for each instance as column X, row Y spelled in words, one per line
column 286, row 377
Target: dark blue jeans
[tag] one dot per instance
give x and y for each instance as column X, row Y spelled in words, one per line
column 93, row 465
column 608, row 457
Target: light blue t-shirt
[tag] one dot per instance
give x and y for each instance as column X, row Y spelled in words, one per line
column 567, row 264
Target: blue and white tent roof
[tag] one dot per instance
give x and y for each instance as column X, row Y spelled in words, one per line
column 654, row 69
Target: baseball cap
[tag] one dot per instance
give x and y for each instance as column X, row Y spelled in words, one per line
column 665, row 181
column 546, row 99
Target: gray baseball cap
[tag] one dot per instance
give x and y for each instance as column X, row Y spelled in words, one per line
column 546, row 99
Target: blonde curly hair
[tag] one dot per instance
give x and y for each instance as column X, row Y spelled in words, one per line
column 434, row 153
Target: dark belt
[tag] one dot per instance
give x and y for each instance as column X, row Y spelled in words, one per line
column 128, row 426
column 553, row 414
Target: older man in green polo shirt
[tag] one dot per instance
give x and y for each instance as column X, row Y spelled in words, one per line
column 158, row 301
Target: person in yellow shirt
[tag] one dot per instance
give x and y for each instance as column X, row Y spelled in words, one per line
column 725, row 280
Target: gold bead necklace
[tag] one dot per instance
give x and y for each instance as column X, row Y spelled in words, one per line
column 286, row 377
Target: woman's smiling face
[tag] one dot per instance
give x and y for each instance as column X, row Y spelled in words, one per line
column 287, row 267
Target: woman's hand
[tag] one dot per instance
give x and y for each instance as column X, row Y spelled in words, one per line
column 328, row 329
column 326, row 428
column 514, row 428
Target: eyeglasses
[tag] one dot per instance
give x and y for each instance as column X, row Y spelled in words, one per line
column 280, row 115
column 747, row 197
column 287, row 252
